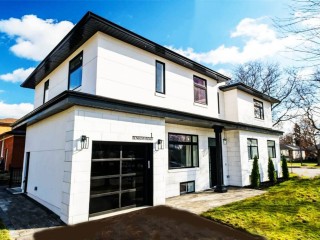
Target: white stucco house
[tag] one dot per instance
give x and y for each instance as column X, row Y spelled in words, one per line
column 120, row 122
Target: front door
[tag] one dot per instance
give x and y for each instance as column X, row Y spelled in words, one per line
column 212, row 162
column 121, row 176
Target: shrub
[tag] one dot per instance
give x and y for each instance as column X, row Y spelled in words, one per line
column 285, row 170
column 271, row 172
column 255, row 174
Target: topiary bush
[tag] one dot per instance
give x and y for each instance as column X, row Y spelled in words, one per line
column 271, row 172
column 255, row 174
column 285, row 170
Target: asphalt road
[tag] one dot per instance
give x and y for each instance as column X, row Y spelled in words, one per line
column 306, row 172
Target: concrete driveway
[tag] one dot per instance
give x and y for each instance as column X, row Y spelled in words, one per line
column 306, row 172
column 202, row 201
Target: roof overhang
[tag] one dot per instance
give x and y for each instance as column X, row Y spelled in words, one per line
column 69, row 99
column 91, row 24
column 241, row 86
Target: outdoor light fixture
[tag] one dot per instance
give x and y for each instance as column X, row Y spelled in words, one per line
column 84, row 142
column 224, row 141
column 160, row 144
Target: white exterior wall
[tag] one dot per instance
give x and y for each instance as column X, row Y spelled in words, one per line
column 238, row 163
column 46, row 141
column 103, row 125
column 58, row 79
column 127, row 73
column 239, row 107
column 199, row 174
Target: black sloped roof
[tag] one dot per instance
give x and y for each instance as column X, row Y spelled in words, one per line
column 87, row 27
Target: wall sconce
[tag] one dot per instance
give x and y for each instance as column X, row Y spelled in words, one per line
column 224, row 141
column 84, row 142
column 160, row 144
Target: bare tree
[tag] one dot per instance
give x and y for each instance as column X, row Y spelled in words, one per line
column 271, row 80
column 303, row 24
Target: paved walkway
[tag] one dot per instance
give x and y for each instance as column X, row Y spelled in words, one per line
column 23, row 216
column 203, row 201
column 306, row 172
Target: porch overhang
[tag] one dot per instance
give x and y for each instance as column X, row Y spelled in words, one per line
column 69, row 99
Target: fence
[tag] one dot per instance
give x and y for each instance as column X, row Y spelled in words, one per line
column 15, row 177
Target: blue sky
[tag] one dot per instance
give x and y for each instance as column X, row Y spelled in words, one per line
column 217, row 33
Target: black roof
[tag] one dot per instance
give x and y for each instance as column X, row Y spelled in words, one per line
column 87, row 27
column 250, row 90
column 68, row 99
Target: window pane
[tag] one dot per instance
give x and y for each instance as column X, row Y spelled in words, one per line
column 195, row 156
column 180, row 155
column 190, row 186
column 195, row 139
column 271, row 144
column 252, row 142
column 200, row 95
column 254, row 152
column 104, row 185
column 104, row 203
column 75, row 79
column 105, row 168
column 199, row 81
column 179, row 138
column 160, row 77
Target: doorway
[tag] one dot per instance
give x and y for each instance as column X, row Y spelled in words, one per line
column 121, row 176
column 26, row 173
column 212, row 162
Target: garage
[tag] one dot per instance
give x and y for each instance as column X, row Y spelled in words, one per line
column 121, row 176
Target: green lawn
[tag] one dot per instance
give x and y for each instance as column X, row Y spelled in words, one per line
column 4, row 233
column 290, row 210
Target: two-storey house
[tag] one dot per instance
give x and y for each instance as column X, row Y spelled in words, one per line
column 121, row 121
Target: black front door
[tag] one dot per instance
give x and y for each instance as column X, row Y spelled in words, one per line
column 212, row 162
column 121, row 176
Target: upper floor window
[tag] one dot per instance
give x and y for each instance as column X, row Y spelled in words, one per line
column 271, row 149
column 200, row 90
column 75, row 72
column 160, row 77
column 46, row 91
column 258, row 109
column 183, row 151
column 252, row 148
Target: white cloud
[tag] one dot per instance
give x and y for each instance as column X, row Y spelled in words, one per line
column 17, row 75
column 260, row 42
column 14, row 110
column 34, row 37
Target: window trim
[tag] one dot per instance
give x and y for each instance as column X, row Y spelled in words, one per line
column 262, row 109
column 202, row 87
column 45, row 87
column 249, row 152
column 185, row 143
column 273, row 147
column 69, row 71
column 164, row 77
column 194, row 187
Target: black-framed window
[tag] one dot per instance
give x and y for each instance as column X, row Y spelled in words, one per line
column 271, row 148
column 187, row 187
column 46, row 91
column 75, row 72
column 200, row 90
column 258, row 109
column 183, row 151
column 218, row 99
column 160, row 77
column 252, row 148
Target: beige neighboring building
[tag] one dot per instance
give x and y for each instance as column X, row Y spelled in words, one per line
column 5, row 124
column 292, row 152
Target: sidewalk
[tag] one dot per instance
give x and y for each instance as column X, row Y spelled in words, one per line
column 23, row 216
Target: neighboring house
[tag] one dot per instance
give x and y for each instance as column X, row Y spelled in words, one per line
column 292, row 152
column 11, row 146
column 5, row 124
column 121, row 121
